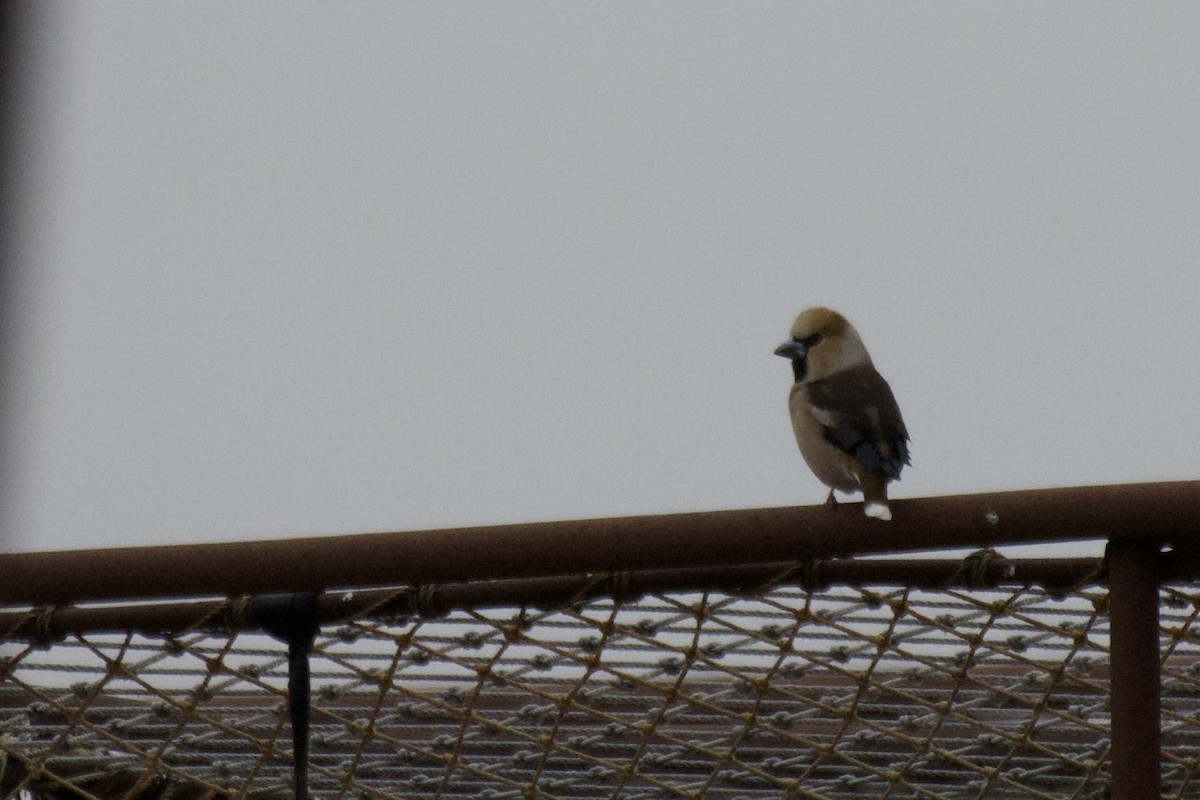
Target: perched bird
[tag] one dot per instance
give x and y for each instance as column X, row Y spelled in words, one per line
column 845, row 417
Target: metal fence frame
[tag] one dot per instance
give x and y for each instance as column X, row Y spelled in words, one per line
column 1151, row 530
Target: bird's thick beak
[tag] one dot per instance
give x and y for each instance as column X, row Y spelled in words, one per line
column 791, row 349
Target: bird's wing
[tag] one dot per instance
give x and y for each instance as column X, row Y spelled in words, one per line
column 860, row 417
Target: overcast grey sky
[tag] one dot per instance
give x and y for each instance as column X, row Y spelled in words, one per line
column 347, row 267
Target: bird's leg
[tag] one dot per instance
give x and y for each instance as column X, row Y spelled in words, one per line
column 831, row 501
column 875, row 502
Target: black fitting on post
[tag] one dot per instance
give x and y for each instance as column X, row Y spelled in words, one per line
column 293, row 618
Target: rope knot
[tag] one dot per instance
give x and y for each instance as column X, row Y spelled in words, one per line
column 811, row 579
column 236, row 614
column 44, row 634
column 973, row 571
column 425, row 601
column 620, row 584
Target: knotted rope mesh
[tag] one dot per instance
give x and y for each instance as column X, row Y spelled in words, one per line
column 789, row 690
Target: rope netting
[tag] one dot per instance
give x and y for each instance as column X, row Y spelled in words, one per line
column 782, row 692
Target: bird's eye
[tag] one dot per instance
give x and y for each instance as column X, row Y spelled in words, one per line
column 813, row 340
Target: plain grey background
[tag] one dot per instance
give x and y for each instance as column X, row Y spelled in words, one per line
column 295, row 269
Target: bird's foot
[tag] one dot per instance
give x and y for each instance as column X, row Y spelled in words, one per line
column 831, row 501
column 877, row 510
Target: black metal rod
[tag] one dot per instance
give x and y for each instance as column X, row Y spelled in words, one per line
column 294, row 619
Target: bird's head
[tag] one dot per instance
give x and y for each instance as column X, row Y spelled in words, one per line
column 823, row 342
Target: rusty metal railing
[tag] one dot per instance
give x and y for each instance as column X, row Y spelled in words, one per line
column 1152, row 530
column 1158, row 512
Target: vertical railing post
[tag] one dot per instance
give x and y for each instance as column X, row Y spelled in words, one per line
column 1133, row 580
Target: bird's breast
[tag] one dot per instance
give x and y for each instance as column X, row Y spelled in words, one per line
column 832, row 467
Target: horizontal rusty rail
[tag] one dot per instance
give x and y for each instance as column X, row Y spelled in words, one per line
column 1167, row 512
column 979, row 570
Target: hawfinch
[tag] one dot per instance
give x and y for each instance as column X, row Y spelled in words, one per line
column 846, row 420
